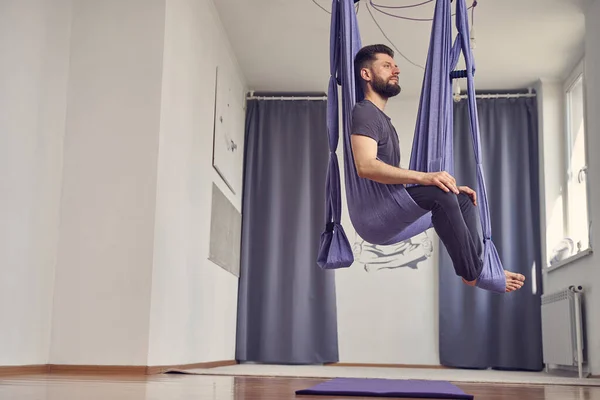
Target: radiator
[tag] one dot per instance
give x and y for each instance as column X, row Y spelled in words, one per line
column 562, row 328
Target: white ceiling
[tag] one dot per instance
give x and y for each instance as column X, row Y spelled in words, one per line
column 283, row 45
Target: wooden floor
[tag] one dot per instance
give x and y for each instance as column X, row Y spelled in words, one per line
column 194, row 387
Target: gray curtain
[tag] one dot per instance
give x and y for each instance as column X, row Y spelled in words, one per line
column 480, row 329
column 287, row 310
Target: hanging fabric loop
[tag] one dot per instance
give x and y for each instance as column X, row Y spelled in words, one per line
column 386, row 214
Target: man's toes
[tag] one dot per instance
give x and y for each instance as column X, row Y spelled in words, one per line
column 513, row 275
column 515, row 279
column 517, row 284
column 512, row 285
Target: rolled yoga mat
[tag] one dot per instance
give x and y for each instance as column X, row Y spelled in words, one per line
column 424, row 389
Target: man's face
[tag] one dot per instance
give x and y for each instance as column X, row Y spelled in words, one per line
column 384, row 76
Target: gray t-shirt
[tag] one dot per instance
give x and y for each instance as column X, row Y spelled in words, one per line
column 369, row 120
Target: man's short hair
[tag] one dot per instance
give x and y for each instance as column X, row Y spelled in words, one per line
column 365, row 57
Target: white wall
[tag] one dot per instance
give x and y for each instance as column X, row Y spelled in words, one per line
column 194, row 302
column 34, row 43
column 106, row 177
column 585, row 271
column 551, row 106
column 390, row 316
column 592, row 49
column 592, row 77
column 104, row 270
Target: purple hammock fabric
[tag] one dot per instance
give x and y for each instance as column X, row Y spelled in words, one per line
column 386, row 214
column 387, row 388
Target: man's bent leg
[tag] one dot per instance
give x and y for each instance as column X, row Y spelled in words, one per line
column 471, row 216
column 460, row 238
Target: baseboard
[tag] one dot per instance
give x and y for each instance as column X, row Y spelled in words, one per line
column 342, row 364
column 97, row 369
column 23, row 369
column 161, row 369
column 106, row 369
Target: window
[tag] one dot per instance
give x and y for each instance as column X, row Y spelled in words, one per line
column 577, row 221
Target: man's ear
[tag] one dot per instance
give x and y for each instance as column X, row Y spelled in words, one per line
column 365, row 73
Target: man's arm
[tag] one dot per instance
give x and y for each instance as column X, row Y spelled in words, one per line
column 369, row 167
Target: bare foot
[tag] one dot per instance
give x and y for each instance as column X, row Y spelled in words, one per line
column 513, row 281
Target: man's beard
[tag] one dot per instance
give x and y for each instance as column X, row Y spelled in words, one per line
column 385, row 89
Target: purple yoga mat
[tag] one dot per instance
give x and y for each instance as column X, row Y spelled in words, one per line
column 424, row 389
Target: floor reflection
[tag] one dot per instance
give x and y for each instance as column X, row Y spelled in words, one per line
column 201, row 387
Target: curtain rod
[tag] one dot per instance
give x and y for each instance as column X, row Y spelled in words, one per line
column 286, row 98
column 462, row 96
column 499, row 96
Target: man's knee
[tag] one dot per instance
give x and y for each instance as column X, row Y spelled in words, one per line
column 465, row 202
column 447, row 200
column 464, row 198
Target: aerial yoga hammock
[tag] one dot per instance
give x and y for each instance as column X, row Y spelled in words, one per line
column 386, row 214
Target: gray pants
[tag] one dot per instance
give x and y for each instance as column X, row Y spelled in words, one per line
column 456, row 220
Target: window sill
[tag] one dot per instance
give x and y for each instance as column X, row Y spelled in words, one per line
column 570, row 260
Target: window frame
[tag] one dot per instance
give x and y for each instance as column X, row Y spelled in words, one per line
column 577, row 73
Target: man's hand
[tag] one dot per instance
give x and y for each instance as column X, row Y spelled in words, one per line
column 470, row 192
column 442, row 179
